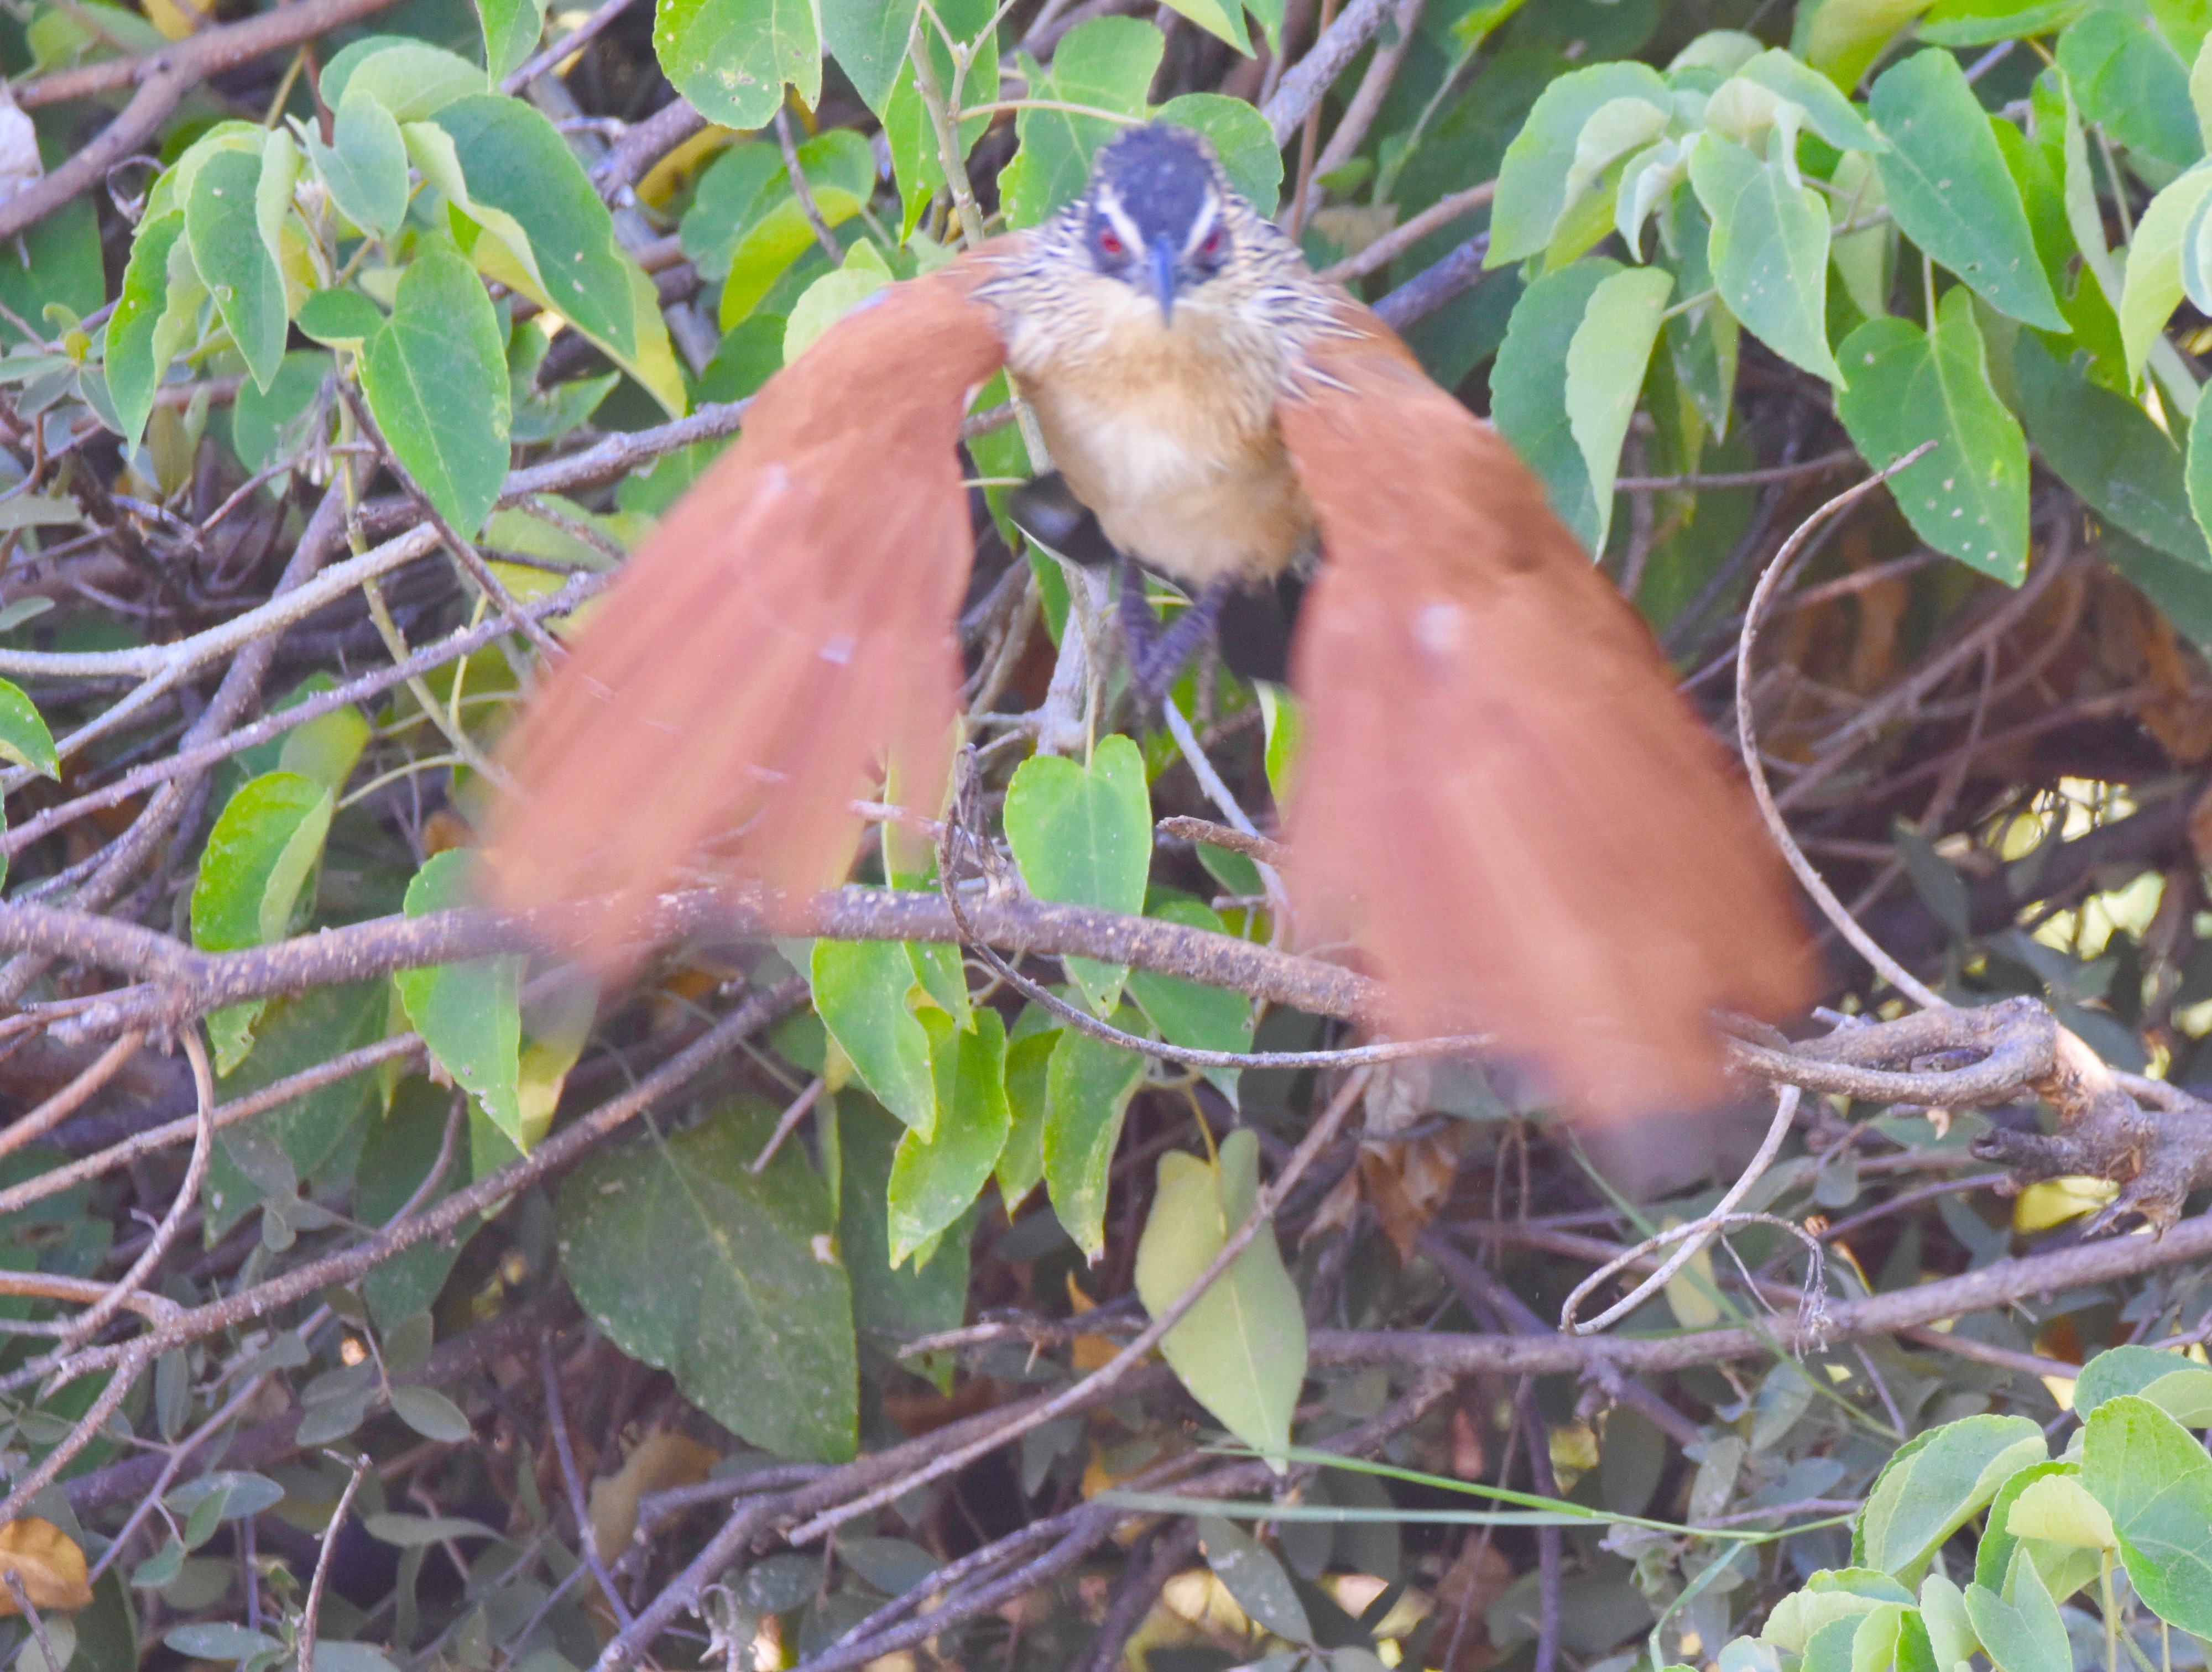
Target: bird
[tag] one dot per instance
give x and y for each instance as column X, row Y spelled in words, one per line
column 1501, row 805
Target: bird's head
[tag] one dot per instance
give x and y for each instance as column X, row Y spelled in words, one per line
column 1157, row 213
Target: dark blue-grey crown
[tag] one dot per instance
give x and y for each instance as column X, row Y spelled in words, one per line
column 1162, row 177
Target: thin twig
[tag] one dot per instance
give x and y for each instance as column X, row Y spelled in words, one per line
column 1895, row 973
column 586, row 1540
column 803, row 189
column 310, row 1614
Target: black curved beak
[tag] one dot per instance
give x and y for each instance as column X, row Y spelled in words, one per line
column 1160, row 260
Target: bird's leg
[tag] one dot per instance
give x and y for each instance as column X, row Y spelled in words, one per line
column 1156, row 654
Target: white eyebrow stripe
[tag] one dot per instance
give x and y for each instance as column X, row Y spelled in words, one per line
column 1209, row 211
column 1112, row 207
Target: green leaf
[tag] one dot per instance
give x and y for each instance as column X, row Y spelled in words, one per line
column 430, row 1414
column 1021, row 1162
column 435, row 377
column 1536, row 180
column 1083, row 836
column 2057, row 1509
column 1529, row 390
column 221, row 1642
column 1250, row 1571
column 2156, row 1479
column 2106, row 448
column 1968, row 497
column 2133, row 85
column 259, row 855
column 868, row 39
column 1842, row 38
column 281, row 163
column 294, row 1035
column 2152, row 287
column 1951, row 1637
column 1866, row 261
column 917, row 163
column 1207, row 1019
column 832, row 296
column 1241, row 139
column 1950, row 189
column 469, row 1014
column 267, row 425
column 2064, row 1569
column 2178, row 1387
column 133, row 373
column 1088, row 1086
column 2085, row 218
column 1828, row 112
column 1224, row 19
column 731, row 58
column 1985, row 22
column 511, row 29
column 861, row 992
column 1606, row 361
column 327, row 747
column 224, row 234
column 516, row 162
column 1934, row 1482
column 935, row 1180
column 340, row 318
column 365, row 164
column 1240, row 1349
column 890, row 1305
column 2022, row 1630
column 1769, row 251
column 730, row 1282
column 1107, row 64
column 736, row 191
column 756, row 241
column 396, row 1158
column 23, row 734
column 410, row 78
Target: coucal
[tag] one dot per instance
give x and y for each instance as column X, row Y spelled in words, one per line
column 1500, row 801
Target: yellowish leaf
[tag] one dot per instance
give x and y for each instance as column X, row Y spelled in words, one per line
column 48, row 1562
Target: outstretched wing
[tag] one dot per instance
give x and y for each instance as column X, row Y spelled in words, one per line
column 1500, row 799
column 786, row 633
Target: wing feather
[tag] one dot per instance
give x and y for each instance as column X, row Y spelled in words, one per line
column 785, row 635
column 1500, row 799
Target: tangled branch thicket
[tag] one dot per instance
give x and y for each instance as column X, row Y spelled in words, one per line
column 325, row 1346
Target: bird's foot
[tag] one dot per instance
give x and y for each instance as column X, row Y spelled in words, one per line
column 1156, row 654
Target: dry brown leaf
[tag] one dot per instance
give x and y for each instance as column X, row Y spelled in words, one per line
column 48, row 1562
column 1408, row 1184
column 1478, row 1578
column 2179, row 715
column 662, row 1460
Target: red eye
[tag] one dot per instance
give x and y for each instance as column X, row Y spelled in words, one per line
column 1214, row 242
column 1110, row 242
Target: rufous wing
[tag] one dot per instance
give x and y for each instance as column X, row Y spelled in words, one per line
column 1500, row 799
column 786, row 636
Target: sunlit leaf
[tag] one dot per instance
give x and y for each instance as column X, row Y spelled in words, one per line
column 1083, row 836
column 1240, row 1349
column 469, row 1014
column 1950, row 189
